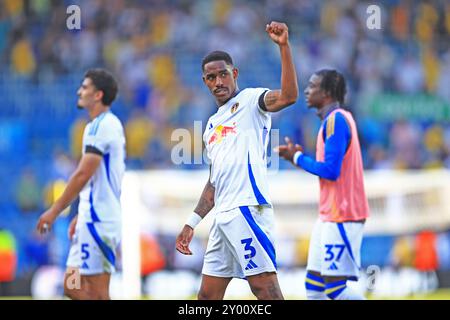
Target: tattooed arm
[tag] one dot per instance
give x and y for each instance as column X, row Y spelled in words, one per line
column 204, row 206
column 206, row 202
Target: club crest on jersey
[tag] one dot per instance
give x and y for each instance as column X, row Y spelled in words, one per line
column 221, row 132
column 234, row 107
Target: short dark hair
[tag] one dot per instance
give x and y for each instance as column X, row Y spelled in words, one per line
column 103, row 81
column 217, row 56
column 333, row 83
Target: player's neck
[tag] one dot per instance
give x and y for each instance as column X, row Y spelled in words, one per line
column 326, row 109
column 97, row 110
column 235, row 93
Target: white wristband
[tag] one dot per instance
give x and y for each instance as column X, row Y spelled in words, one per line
column 296, row 156
column 193, row 220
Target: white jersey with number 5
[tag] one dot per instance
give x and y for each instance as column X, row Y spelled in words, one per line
column 236, row 139
column 100, row 197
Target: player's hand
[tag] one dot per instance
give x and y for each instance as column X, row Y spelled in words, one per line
column 184, row 239
column 46, row 220
column 278, row 32
column 288, row 150
column 72, row 227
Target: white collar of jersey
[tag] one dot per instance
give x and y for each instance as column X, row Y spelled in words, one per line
column 101, row 114
column 229, row 100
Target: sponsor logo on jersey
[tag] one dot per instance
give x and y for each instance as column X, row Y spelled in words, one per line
column 221, row 132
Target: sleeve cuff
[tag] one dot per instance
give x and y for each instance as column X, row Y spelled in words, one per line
column 261, row 102
column 296, row 156
column 92, row 149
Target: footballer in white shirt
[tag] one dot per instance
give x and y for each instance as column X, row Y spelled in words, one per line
column 95, row 232
column 241, row 242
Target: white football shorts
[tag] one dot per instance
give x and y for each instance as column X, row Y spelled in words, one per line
column 94, row 247
column 335, row 249
column 241, row 243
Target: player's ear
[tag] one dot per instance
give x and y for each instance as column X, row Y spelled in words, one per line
column 235, row 73
column 99, row 95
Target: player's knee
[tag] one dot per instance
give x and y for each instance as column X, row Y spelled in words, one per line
column 208, row 295
column 75, row 293
column 93, row 294
column 85, row 293
column 315, row 287
column 260, row 292
column 334, row 288
column 202, row 295
column 267, row 293
column 71, row 294
column 99, row 296
column 266, row 290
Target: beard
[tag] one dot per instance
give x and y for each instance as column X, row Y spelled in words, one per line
column 79, row 106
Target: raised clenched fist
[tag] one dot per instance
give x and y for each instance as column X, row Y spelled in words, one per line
column 278, row 32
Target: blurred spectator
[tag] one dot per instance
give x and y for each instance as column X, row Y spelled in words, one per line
column 138, row 130
column 434, row 147
column 76, row 137
column 402, row 254
column 405, row 139
column 409, row 75
column 13, row 7
column 400, row 20
column 22, row 57
column 28, row 194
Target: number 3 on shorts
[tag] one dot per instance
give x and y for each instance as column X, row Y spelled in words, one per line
column 84, row 251
column 248, row 247
column 330, row 254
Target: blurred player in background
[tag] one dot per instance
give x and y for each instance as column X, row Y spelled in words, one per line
column 241, row 239
column 334, row 252
column 96, row 230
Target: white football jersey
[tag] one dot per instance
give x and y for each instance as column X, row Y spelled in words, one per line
column 100, row 197
column 236, row 139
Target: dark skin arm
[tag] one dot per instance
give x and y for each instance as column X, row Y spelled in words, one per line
column 277, row 100
column 288, row 150
column 204, row 206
